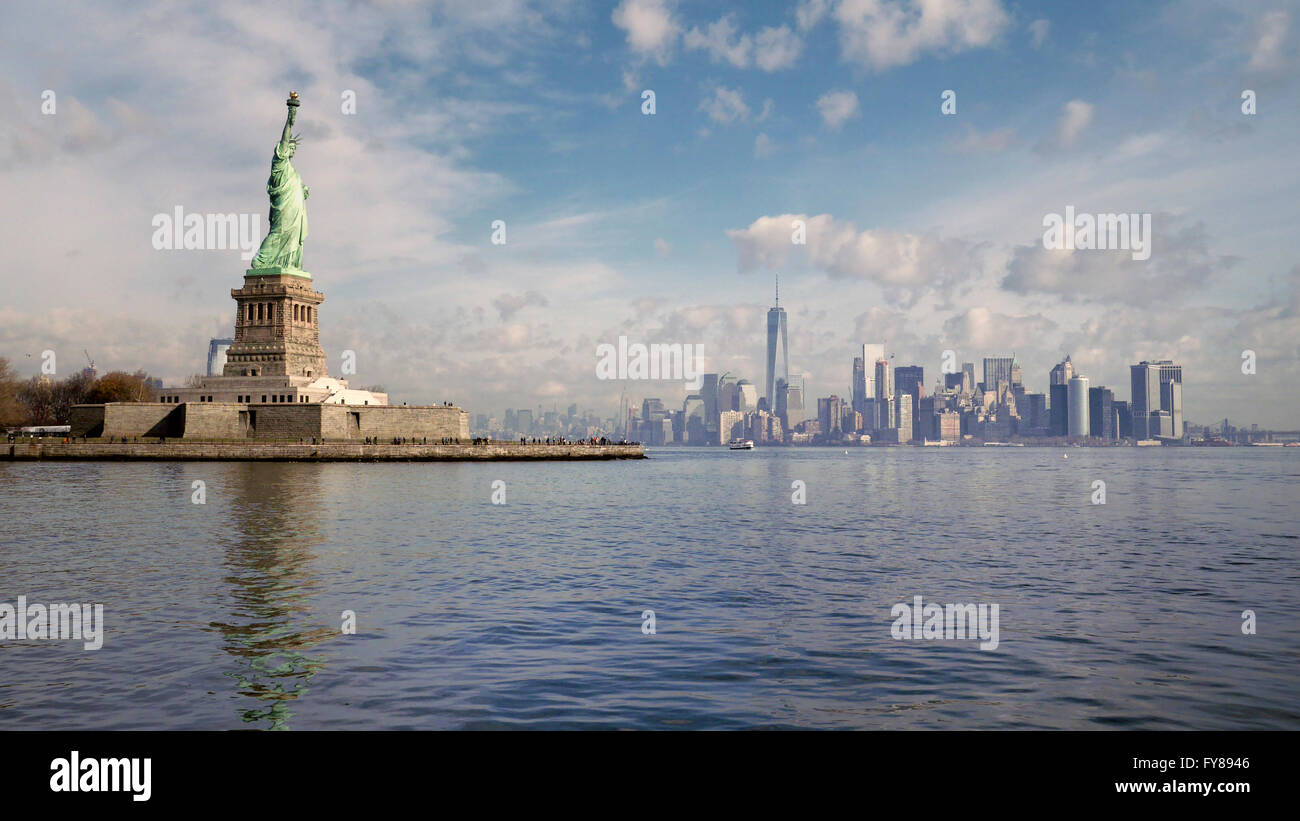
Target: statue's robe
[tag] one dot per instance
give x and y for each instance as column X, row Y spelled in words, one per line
column 283, row 243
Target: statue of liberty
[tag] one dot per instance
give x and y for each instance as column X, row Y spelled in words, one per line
column 282, row 247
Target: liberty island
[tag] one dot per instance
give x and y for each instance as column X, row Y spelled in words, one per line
column 275, row 398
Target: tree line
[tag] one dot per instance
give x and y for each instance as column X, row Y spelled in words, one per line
column 42, row 400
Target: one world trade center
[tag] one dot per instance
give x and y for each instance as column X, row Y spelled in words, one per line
column 775, row 328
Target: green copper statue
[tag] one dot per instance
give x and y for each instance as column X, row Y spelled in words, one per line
column 282, row 247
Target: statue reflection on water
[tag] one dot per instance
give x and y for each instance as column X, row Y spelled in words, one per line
column 271, row 583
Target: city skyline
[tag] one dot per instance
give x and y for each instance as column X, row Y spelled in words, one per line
column 923, row 228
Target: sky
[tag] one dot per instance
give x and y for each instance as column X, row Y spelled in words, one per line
column 924, row 229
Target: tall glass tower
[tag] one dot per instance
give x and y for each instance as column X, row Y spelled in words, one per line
column 776, row 327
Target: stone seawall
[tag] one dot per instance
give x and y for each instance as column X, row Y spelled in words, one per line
column 328, row 452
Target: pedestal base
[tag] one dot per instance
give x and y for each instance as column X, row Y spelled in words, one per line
column 277, row 270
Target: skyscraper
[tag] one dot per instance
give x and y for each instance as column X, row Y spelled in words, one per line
column 746, row 396
column 217, row 355
column 829, row 414
column 903, row 416
column 859, row 384
column 1123, row 420
column 1152, row 391
column 1171, row 400
column 910, row 380
column 776, row 327
column 1078, row 406
column 1063, row 372
column 871, row 353
column 997, row 369
column 1058, row 392
column 1101, row 412
column 885, row 409
column 793, row 405
column 1059, row 414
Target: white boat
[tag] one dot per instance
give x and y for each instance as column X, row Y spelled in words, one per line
column 741, row 444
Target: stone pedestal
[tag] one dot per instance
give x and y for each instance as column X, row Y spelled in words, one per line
column 277, row 326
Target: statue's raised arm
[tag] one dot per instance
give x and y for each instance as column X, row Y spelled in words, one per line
column 282, row 247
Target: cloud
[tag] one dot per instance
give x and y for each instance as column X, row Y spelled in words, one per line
column 1181, row 264
column 771, row 49
column 982, row 329
column 650, row 27
column 726, row 105
column 977, row 142
column 1075, row 117
column 811, row 12
column 663, row 247
column 837, row 108
column 776, row 48
column 883, row 34
column 763, row 146
column 1038, row 32
column 1266, row 51
column 508, row 305
column 720, row 41
column 905, row 265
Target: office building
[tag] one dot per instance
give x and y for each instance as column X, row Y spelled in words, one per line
column 1101, row 413
column 777, row 343
column 217, row 349
column 1123, row 420
column 1077, row 398
column 871, row 353
column 829, row 415
column 884, row 396
column 1152, row 390
column 950, row 426
column 997, row 369
column 903, row 416
column 859, row 384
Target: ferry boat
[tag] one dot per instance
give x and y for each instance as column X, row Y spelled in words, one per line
column 741, row 444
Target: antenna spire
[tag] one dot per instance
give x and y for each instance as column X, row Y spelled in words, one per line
column 778, row 290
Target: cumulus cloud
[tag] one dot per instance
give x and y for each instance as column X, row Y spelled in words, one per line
column 811, row 12
column 837, row 108
column 771, row 49
column 883, row 34
column 983, row 329
column 725, row 105
column 903, row 264
column 763, row 146
column 650, row 27
column 776, row 48
column 721, row 40
column 1181, row 263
